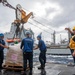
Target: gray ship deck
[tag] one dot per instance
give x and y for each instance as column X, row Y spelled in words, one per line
column 50, row 69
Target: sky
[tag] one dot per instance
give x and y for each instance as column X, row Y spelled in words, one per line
column 54, row 15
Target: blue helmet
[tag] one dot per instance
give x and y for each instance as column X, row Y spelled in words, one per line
column 27, row 32
column 1, row 34
column 39, row 36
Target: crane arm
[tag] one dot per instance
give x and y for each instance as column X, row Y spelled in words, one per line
column 21, row 15
column 5, row 3
column 24, row 17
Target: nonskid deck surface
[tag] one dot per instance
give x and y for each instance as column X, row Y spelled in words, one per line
column 50, row 69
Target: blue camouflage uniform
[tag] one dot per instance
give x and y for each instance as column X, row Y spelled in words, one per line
column 1, row 51
column 42, row 48
column 27, row 46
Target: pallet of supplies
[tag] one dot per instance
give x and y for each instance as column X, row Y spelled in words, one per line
column 14, row 56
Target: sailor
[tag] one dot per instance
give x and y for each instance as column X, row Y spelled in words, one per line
column 42, row 56
column 72, row 45
column 27, row 46
column 72, row 32
column 2, row 46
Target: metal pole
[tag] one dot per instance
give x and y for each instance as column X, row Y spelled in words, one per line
column 54, row 37
column 69, row 36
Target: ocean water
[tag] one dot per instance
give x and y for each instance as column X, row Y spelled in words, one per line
column 60, row 56
column 60, row 59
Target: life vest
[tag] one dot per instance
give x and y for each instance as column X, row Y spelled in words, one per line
column 10, row 40
column 72, row 43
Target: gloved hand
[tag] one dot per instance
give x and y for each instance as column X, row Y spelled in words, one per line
column 8, row 47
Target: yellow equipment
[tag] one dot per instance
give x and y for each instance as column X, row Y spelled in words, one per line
column 72, row 43
column 21, row 16
column 25, row 17
column 21, row 19
column 73, row 28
